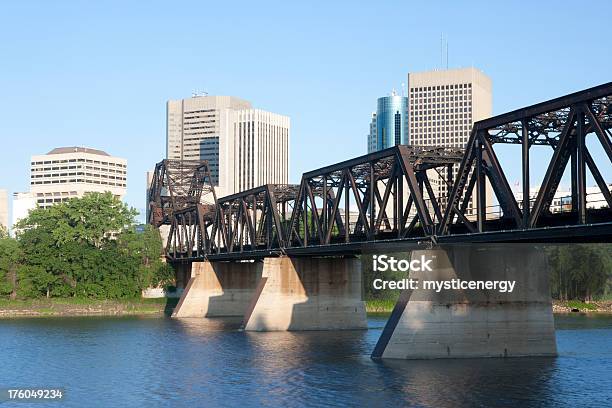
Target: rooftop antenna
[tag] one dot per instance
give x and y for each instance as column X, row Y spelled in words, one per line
column 443, row 51
column 196, row 93
column 447, row 53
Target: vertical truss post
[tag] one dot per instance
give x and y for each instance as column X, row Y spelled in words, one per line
column 394, row 193
column 347, row 213
column 581, row 167
column 304, row 212
column 574, row 172
column 372, row 198
column 481, row 203
column 399, row 177
column 313, row 213
column 525, row 161
column 254, row 237
column 324, row 210
column 268, row 211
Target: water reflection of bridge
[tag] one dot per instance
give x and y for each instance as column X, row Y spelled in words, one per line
column 293, row 232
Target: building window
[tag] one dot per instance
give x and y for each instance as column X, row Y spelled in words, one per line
column 398, row 128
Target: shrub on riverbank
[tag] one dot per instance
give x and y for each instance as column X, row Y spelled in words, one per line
column 86, row 247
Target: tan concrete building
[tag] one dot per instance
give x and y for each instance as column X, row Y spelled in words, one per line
column 443, row 106
column 245, row 147
column 68, row 172
column 4, row 218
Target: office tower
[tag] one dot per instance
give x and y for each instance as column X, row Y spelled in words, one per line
column 372, row 139
column 68, row 172
column 244, row 147
column 443, row 106
column 390, row 122
column 4, row 210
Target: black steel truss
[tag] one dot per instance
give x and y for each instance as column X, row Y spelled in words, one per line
column 390, row 189
column 254, row 219
column 178, row 185
column 389, row 195
column 189, row 235
column 563, row 124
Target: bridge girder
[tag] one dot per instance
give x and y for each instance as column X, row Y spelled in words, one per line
column 177, row 185
column 563, row 124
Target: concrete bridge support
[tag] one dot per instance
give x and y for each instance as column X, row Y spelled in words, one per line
column 308, row 294
column 182, row 274
column 474, row 323
column 218, row 289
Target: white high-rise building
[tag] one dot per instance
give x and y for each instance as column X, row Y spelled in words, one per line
column 4, row 223
column 68, row 172
column 23, row 202
column 372, row 139
column 245, row 147
column 443, row 106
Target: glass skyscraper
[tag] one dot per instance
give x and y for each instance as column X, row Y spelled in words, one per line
column 391, row 121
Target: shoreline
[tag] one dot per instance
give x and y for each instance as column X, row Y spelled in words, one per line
column 62, row 307
column 558, row 306
column 160, row 307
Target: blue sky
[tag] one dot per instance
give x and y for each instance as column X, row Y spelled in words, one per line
column 98, row 74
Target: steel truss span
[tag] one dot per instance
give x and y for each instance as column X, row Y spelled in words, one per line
column 393, row 195
column 563, row 125
column 390, row 190
column 178, row 185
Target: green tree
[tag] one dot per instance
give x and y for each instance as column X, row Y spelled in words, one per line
column 72, row 249
column 146, row 250
column 580, row 271
column 93, row 219
column 10, row 262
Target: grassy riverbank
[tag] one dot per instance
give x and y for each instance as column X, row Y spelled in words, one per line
column 379, row 306
column 85, row 307
column 559, row 306
column 602, row 306
column 163, row 307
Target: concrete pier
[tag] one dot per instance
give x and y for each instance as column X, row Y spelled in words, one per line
column 218, row 289
column 474, row 323
column 308, row 294
column 182, row 274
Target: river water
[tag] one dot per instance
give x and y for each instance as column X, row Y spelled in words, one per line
column 160, row 362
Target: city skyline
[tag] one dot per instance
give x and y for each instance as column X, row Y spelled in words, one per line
column 67, row 82
column 245, row 147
